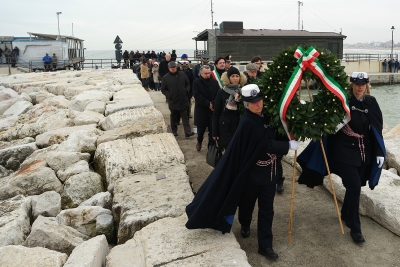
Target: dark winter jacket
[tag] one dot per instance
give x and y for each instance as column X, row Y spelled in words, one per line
column 204, row 92
column 163, row 68
column 225, row 121
column 175, row 87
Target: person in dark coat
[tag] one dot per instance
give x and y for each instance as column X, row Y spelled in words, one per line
column 175, row 86
column 244, row 174
column 205, row 90
column 163, row 70
column 226, row 113
column 356, row 153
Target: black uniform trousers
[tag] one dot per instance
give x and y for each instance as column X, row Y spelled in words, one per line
column 265, row 195
column 174, row 119
column 351, row 179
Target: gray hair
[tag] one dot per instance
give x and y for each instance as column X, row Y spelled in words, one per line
column 245, row 104
column 204, row 67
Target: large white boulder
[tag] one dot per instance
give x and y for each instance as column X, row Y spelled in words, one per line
column 141, row 118
column 57, row 101
column 96, row 106
column 18, row 108
column 80, row 101
column 88, row 117
column 58, row 136
column 83, row 219
column 59, row 160
column 141, row 199
column 129, row 99
column 167, row 242
column 34, row 257
column 55, row 120
column 91, row 253
column 79, row 188
column 102, row 199
column 6, row 122
column 379, row 204
column 31, row 180
column 15, row 223
column 21, row 131
column 124, row 157
column 83, row 141
column 76, row 168
column 7, row 93
column 47, row 204
column 47, row 233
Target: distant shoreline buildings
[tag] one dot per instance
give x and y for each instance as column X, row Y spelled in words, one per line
column 387, row 44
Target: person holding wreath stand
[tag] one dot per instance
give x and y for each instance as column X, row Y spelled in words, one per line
column 358, row 152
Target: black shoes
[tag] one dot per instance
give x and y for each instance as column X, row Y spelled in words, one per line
column 268, row 253
column 245, row 231
column 279, row 185
column 198, row 146
column 175, row 133
column 189, row 134
column 357, row 237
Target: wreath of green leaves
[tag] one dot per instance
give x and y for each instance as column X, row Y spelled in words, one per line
column 312, row 119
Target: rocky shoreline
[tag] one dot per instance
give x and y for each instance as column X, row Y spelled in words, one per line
column 90, row 176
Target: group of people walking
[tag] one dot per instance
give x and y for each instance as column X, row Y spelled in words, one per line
column 251, row 167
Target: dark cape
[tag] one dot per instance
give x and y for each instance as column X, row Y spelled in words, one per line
column 312, row 160
column 215, row 203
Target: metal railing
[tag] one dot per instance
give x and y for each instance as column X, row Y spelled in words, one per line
column 368, row 57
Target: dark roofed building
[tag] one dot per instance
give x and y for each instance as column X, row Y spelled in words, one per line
column 243, row 44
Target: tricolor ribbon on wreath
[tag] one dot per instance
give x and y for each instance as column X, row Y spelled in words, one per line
column 308, row 59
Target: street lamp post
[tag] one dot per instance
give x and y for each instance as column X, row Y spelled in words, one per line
column 216, row 43
column 58, row 23
column 391, row 54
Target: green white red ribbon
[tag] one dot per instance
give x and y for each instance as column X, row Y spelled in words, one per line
column 216, row 77
column 308, row 59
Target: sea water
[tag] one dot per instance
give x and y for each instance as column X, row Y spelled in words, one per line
column 388, row 97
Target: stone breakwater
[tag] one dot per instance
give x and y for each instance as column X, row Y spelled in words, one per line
column 86, row 164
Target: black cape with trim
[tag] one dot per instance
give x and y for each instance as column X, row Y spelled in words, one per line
column 215, row 203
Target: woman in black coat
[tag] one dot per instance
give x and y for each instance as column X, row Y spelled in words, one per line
column 359, row 150
column 204, row 91
column 226, row 114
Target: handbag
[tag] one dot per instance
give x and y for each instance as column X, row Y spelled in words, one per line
column 214, row 154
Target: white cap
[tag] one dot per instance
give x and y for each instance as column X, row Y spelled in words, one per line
column 359, row 78
column 251, row 93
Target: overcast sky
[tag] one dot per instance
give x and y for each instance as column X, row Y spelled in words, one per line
column 168, row 24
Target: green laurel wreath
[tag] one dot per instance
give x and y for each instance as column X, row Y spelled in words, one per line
column 310, row 119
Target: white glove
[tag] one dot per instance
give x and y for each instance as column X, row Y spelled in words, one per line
column 380, row 160
column 294, row 145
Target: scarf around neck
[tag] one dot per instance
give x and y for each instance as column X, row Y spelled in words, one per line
column 232, row 89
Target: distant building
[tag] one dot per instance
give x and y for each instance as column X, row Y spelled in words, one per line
column 243, row 44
